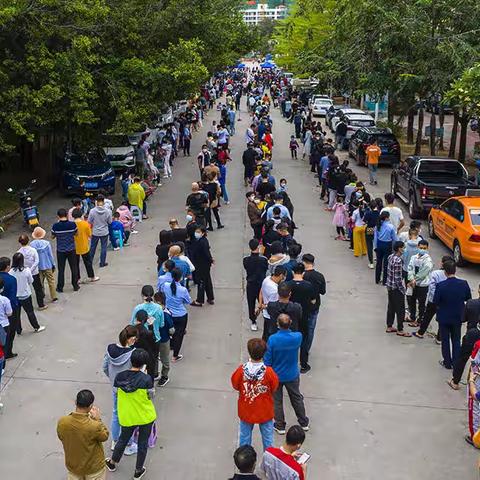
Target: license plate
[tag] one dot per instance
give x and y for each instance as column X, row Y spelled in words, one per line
column 91, row 184
column 33, row 221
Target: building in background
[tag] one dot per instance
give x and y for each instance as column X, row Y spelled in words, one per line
column 256, row 11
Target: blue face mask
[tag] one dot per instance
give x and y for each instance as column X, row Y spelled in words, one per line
column 422, row 252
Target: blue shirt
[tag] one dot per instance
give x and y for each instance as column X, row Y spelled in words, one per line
column 164, row 331
column 153, row 310
column 450, row 297
column 64, row 232
column 387, row 233
column 176, row 303
column 45, row 255
column 282, row 354
column 10, row 288
column 162, row 279
column 324, row 162
column 283, row 211
column 180, row 264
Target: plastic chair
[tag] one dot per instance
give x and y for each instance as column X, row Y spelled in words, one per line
column 117, row 235
column 136, row 213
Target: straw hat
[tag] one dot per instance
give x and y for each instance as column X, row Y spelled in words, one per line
column 38, row 233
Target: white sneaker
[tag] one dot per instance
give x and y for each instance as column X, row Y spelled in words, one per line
column 134, row 232
column 131, row 449
column 94, row 279
column 370, row 265
column 112, row 448
column 253, row 327
column 41, row 328
column 116, row 249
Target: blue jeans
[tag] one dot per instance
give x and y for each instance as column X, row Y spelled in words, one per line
column 372, row 170
column 245, row 433
column 115, row 426
column 224, row 191
column 103, row 248
column 2, row 363
column 383, row 251
column 308, row 337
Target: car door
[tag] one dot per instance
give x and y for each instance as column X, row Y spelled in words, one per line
column 354, row 141
column 439, row 219
column 404, row 174
column 454, row 219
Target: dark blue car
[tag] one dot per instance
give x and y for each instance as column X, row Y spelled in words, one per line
column 87, row 172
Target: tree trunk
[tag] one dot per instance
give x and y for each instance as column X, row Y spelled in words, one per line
column 441, row 119
column 410, row 121
column 453, row 136
column 390, row 109
column 462, row 148
column 418, row 143
column 433, row 132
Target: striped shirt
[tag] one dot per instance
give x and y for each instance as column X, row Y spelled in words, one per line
column 395, row 273
column 65, row 231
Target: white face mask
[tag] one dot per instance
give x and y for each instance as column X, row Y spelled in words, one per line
column 189, row 218
column 198, row 235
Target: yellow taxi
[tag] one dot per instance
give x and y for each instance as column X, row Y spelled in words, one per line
column 456, row 222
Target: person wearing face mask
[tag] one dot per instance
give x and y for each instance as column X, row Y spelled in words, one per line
column 203, row 261
column 254, row 215
column 283, row 185
column 419, row 269
column 116, row 360
column 248, row 159
column 203, row 158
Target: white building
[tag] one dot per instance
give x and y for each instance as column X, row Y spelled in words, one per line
column 254, row 15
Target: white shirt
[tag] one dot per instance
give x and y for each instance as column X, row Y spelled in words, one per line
column 396, row 215
column 5, row 311
column 269, row 293
column 357, row 219
column 30, row 258
column 24, row 282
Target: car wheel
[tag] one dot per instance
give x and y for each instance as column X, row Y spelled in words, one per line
column 431, row 229
column 457, row 254
column 412, row 208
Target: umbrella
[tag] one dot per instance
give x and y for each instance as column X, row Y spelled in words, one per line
column 241, row 65
column 267, row 65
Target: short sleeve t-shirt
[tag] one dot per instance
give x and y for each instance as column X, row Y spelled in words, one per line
column 269, row 293
column 64, row 232
column 396, row 215
column 82, row 239
column 5, row 311
column 373, row 154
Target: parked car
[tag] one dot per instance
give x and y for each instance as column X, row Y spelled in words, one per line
column 422, row 182
column 88, row 171
column 119, row 151
column 356, row 121
column 321, row 106
column 456, row 222
column 315, row 97
column 340, row 113
column 386, row 140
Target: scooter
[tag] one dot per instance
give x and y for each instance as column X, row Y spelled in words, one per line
column 29, row 211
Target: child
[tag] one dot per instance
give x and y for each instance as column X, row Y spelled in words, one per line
column 117, row 226
column 127, row 220
column 283, row 185
column 340, row 217
column 293, row 146
column 127, row 180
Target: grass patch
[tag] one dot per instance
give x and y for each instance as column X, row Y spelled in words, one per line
column 7, row 204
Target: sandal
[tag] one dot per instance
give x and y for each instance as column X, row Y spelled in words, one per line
column 413, row 324
column 196, row 304
column 452, row 385
column 391, row 330
column 403, row 334
column 417, row 335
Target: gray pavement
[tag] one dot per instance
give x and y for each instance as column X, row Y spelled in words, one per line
column 379, row 405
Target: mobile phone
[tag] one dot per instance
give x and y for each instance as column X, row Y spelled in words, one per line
column 304, row 458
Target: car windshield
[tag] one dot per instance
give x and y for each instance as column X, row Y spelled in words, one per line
column 84, row 159
column 115, row 141
column 475, row 216
column 385, row 139
column 440, row 168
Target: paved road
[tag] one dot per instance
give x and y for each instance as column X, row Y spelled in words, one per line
column 379, row 405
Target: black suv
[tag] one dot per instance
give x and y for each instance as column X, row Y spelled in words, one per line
column 386, row 140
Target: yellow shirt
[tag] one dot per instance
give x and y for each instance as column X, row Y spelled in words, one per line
column 82, row 238
column 373, row 154
column 136, row 195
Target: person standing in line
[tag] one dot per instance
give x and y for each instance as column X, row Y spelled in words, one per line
column 254, row 215
column 64, row 232
column 135, row 392
column 202, row 260
column 282, row 463
column 373, row 153
column 396, row 291
column 284, row 305
column 249, row 157
column 282, row 355
column 370, row 218
column 450, row 297
column 384, row 236
column 245, row 459
column 255, row 384
column 340, row 135
column 165, row 332
column 140, row 159
column 5, row 314
column 82, row 245
column 419, row 269
column 187, row 138
column 197, row 202
column 46, row 262
column 396, row 214
column 24, row 279
column 9, row 290
column 319, row 285
column 269, row 293
column 256, row 267
column 304, row 294
column 250, row 134
column 31, row 260
column 82, row 434
column 116, row 360
column 176, row 299
column 100, row 218
column 136, row 196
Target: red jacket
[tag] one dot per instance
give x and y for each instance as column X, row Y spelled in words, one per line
column 255, row 383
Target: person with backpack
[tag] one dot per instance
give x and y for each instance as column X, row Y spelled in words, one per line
column 135, row 410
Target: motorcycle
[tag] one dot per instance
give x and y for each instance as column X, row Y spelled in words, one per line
column 29, row 211
column 474, row 124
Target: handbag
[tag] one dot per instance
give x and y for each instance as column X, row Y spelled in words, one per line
column 152, row 439
column 370, row 231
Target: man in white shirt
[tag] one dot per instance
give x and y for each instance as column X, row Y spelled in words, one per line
column 30, row 256
column 396, row 214
column 269, row 293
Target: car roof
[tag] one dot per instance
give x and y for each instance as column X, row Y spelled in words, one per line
column 358, row 116
column 352, row 110
column 435, row 158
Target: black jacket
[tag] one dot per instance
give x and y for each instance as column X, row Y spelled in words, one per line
column 292, row 309
column 256, row 266
column 200, row 253
column 471, row 314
